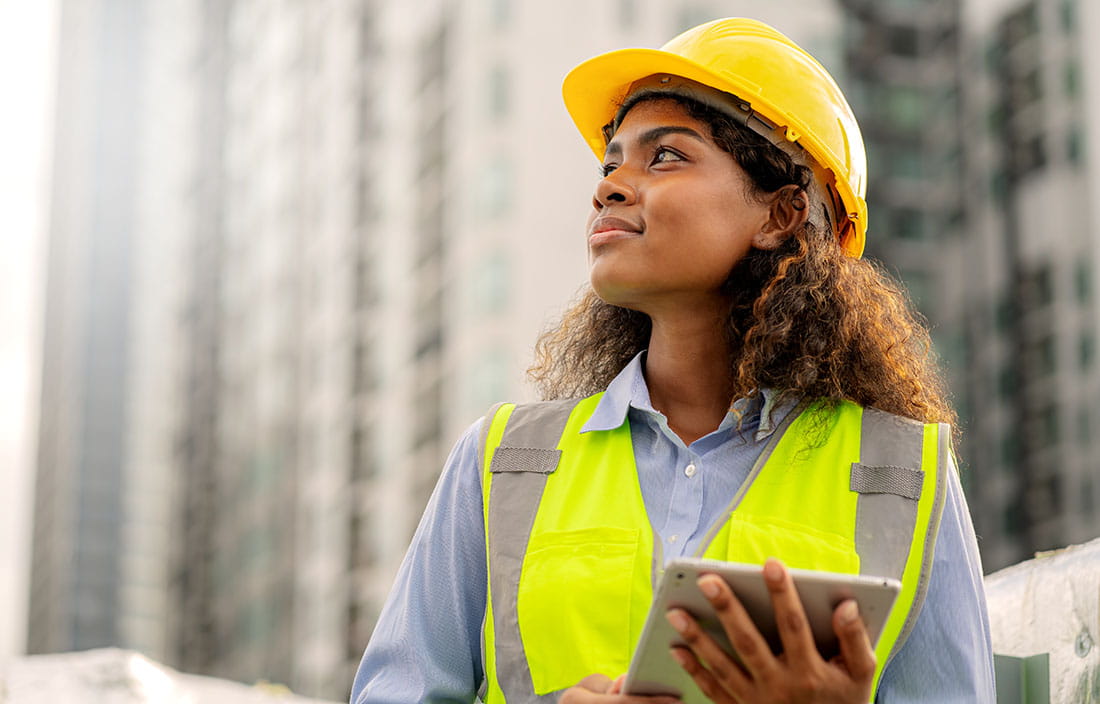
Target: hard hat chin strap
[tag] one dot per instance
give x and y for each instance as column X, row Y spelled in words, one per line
column 820, row 191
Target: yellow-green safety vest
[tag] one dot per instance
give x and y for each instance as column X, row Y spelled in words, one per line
column 573, row 559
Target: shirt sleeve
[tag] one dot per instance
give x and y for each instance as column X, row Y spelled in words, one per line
column 426, row 645
column 948, row 656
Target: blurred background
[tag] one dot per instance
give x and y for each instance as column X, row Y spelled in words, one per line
column 263, row 261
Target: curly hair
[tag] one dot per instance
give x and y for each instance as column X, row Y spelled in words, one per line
column 805, row 320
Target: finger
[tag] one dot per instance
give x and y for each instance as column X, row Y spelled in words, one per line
column 617, row 685
column 708, row 684
column 600, row 689
column 756, row 658
column 790, row 616
column 855, row 645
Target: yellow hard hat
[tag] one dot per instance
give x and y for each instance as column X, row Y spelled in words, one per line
column 762, row 68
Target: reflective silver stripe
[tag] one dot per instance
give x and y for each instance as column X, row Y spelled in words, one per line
column 942, row 463
column 765, row 455
column 482, row 439
column 890, row 447
column 514, row 497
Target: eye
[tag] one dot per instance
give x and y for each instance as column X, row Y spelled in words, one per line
column 664, row 155
column 606, row 169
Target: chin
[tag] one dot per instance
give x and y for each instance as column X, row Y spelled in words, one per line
column 616, row 296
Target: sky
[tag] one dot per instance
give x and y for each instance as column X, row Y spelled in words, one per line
column 27, row 34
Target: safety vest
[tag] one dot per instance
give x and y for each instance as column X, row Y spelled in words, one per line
column 573, row 558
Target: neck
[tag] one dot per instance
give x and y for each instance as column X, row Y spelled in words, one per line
column 688, row 372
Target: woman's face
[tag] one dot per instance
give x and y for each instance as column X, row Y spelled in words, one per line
column 672, row 215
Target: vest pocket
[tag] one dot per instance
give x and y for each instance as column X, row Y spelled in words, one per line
column 753, row 539
column 574, row 604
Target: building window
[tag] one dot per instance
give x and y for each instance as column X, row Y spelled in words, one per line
column 1087, row 350
column 1028, row 155
column 1074, row 146
column 908, row 224
column 496, row 188
column 1006, row 384
column 905, row 107
column 498, row 89
column 1048, row 426
column 903, row 40
column 998, row 186
column 491, row 285
column 1039, row 286
column 1047, row 357
column 1088, row 504
column 996, row 119
column 907, row 164
column 1083, row 282
column 1072, row 79
column 1069, row 16
column 628, row 14
column 500, row 13
column 1021, row 24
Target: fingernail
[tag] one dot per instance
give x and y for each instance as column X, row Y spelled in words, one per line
column 679, row 656
column 678, row 620
column 849, row 612
column 773, row 571
column 708, row 586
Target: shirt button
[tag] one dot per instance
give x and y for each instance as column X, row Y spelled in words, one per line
column 689, row 471
column 673, row 538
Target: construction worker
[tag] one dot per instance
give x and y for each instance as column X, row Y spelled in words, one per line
column 737, row 384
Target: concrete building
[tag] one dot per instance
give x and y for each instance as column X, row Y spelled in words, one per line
column 402, row 201
column 982, row 193
column 348, row 221
column 1032, row 306
column 99, row 522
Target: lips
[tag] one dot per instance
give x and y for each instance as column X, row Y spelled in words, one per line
column 607, row 228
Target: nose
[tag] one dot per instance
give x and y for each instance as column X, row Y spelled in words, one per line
column 613, row 188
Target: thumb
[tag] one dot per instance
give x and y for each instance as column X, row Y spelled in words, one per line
column 596, row 683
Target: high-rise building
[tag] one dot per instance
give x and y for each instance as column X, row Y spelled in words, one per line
column 408, row 184
column 349, row 220
column 1031, row 303
column 981, row 197
column 100, row 524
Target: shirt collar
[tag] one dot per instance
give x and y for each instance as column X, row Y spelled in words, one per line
column 628, row 390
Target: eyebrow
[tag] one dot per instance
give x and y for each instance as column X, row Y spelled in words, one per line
column 650, row 136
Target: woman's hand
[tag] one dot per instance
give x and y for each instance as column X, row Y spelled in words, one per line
column 601, row 689
column 799, row 674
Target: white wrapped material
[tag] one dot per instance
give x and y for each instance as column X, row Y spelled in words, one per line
column 113, row 676
column 1051, row 604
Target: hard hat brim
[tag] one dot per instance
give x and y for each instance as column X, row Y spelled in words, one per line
column 595, row 90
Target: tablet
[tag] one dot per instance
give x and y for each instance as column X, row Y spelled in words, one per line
column 652, row 669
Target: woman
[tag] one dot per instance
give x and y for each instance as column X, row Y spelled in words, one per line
column 737, row 384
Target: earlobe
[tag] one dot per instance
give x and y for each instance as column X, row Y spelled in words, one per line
column 786, row 214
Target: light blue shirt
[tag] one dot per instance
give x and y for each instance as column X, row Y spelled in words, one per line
column 426, row 646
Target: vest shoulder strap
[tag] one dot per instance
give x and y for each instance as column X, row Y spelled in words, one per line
column 891, row 481
column 531, row 436
column 526, row 455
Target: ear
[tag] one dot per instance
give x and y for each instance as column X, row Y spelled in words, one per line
column 788, row 209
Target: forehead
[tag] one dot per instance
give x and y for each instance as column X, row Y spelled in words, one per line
column 655, row 113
